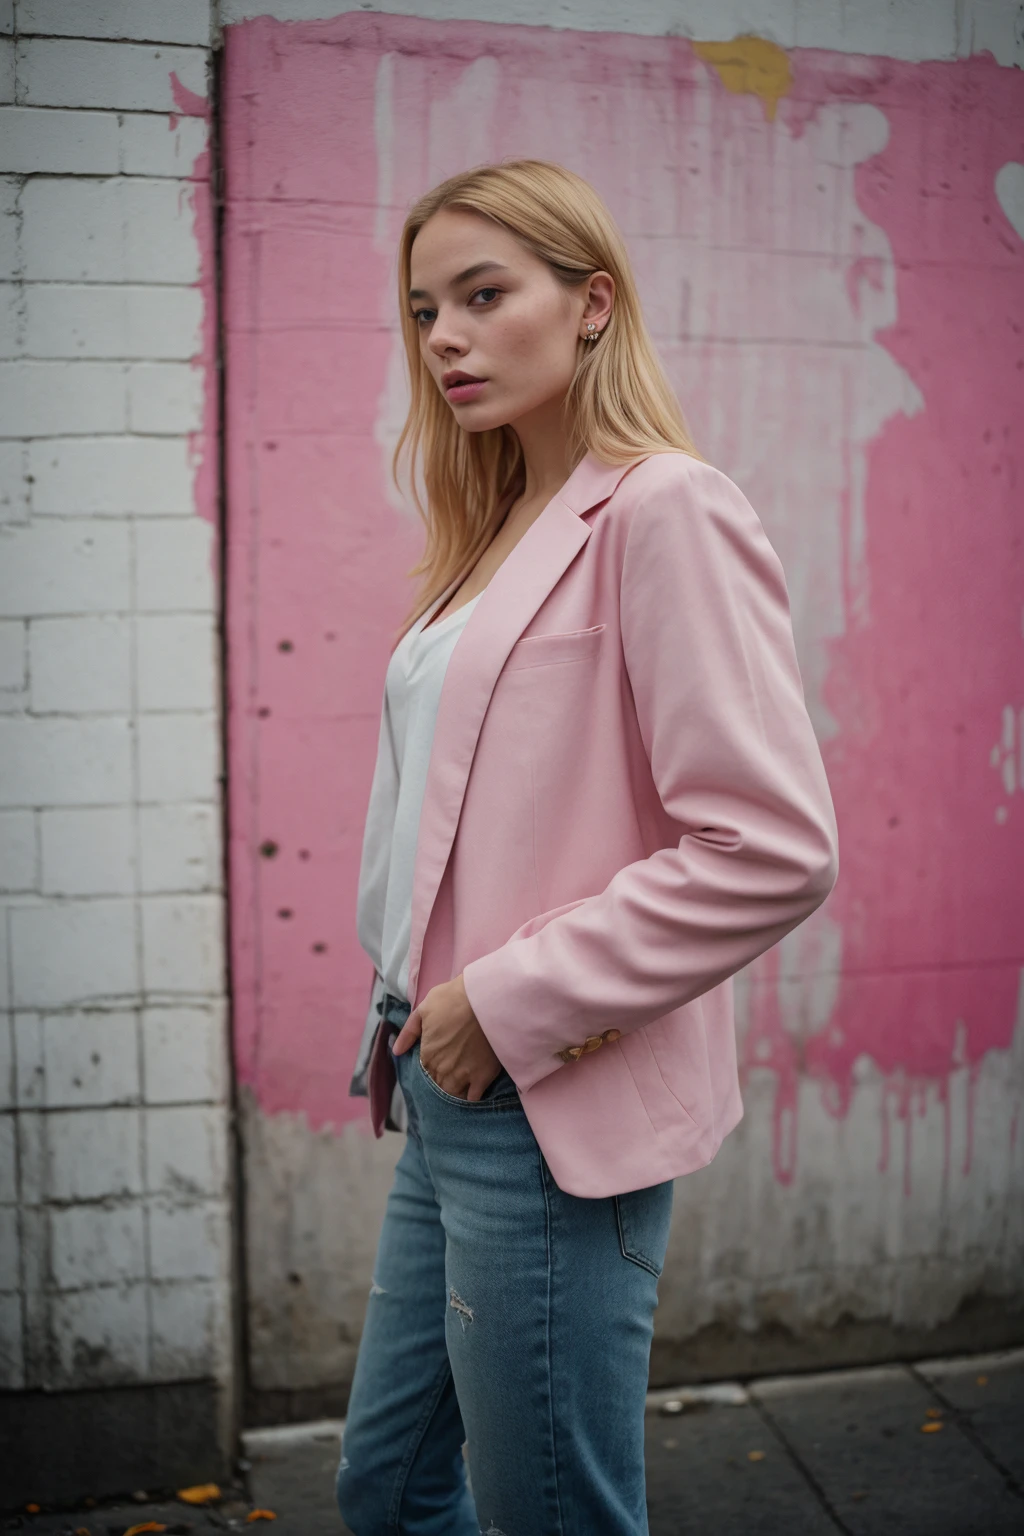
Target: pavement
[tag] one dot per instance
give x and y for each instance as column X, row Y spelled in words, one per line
column 930, row 1449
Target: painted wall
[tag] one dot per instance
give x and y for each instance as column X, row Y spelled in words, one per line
column 115, row 1217
column 827, row 222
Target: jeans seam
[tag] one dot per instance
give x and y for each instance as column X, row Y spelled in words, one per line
column 638, row 1257
column 547, row 1343
column 415, row 1441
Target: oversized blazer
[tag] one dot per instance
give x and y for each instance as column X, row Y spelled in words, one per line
column 625, row 803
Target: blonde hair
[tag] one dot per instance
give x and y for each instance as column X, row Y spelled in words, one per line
column 619, row 406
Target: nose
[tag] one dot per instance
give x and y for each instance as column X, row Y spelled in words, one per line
column 445, row 339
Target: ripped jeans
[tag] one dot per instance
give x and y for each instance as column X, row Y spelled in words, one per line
column 508, row 1314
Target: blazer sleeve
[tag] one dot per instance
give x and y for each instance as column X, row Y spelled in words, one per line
column 708, row 647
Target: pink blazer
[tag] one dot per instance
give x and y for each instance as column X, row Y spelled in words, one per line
column 625, row 804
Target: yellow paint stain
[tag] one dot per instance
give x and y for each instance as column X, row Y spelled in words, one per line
column 750, row 66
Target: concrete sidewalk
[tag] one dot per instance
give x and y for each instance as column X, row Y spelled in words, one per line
column 933, row 1449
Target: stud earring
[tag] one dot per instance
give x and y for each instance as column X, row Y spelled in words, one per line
column 592, row 332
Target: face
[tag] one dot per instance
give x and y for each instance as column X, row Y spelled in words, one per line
column 498, row 332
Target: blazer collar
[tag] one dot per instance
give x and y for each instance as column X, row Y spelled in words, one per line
column 512, row 597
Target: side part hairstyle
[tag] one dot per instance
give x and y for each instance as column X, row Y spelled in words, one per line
column 619, row 406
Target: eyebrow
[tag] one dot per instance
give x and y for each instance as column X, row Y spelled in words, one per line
column 463, row 277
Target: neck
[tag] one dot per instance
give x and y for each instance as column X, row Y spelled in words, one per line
column 545, row 446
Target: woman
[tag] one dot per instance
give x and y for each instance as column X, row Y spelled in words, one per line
column 597, row 795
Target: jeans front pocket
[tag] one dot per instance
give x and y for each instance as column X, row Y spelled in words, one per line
column 644, row 1217
column 502, row 1093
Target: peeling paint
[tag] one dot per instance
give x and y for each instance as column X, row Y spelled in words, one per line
column 834, row 280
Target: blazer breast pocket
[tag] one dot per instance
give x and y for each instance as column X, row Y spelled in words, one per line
column 555, row 650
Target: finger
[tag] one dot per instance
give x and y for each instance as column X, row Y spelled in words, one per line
column 409, row 1034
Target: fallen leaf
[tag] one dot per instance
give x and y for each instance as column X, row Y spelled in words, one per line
column 82, row 1530
column 259, row 1514
column 982, row 1381
column 932, row 1427
column 32, row 1509
column 861, row 1493
column 933, row 1413
column 201, row 1493
column 147, row 1525
column 755, row 1455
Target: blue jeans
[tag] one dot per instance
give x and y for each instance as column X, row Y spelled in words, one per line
column 508, row 1314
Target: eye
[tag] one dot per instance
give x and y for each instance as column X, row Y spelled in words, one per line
column 487, row 294
column 424, row 316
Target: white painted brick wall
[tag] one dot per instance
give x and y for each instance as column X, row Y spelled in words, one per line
column 79, row 73
column 115, row 1182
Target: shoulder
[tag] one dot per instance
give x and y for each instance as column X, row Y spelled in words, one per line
column 687, row 494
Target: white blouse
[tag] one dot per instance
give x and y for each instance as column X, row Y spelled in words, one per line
column 412, row 692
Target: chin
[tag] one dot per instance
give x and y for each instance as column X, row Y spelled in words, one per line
column 472, row 419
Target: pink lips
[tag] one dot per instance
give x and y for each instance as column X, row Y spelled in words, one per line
column 465, row 390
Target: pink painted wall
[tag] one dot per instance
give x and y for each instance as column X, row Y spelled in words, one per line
column 838, row 294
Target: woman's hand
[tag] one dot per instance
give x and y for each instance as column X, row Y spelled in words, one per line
column 454, row 1050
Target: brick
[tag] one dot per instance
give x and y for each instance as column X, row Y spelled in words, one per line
column 11, row 323
column 186, row 1155
column 914, row 29
column 6, row 70
column 100, row 1337
column 90, row 1246
column 30, row 1065
column 60, row 143
column 80, row 666
column 188, row 1242
column 59, row 762
column 41, row 399
column 18, row 851
column 165, row 397
column 110, row 475
column 184, row 21
column 93, row 1154
column 12, row 1366
column 13, row 485
column 184, row 1054
column 90, row 1059
column 30, row 1161
column 182, row 945
column 989, row 26
column 73, row 952
column 190, row 1328
column 88, row 852
column 9, row 1159
column 177, row 661
column 65, row 568
column 88, row 73
column 96, row 321
column 174, row 565
column 10, row 1249
column 179, row 757
column 10, row 198
column 8, row 1093
column 12, row 653
column 179, row 848
column 154, row 145
column 118, row 230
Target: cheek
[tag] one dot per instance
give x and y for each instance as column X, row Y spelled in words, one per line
column 536, row 356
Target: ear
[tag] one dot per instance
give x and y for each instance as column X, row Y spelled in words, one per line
column 600, row 296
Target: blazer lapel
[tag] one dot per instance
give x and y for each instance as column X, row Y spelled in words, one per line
column 513, row 595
